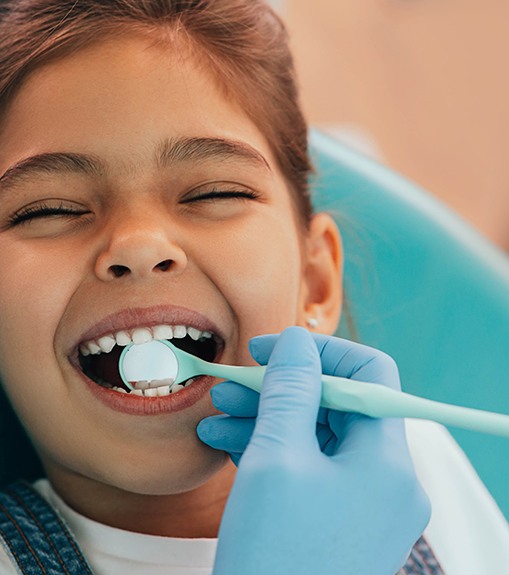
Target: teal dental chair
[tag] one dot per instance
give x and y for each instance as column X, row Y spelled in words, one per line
column 427, row 289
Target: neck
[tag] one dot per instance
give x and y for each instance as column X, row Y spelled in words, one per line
column 193, row 514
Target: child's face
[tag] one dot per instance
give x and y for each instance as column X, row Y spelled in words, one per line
column 139, row 248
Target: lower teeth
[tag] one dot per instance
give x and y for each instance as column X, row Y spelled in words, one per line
column 143, row 389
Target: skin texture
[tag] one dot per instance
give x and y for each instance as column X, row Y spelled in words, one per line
column 243, row 263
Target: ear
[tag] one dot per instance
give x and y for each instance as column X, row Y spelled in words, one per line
column 322, row 276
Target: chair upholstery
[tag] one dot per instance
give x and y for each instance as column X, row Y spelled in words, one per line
column 426, row 288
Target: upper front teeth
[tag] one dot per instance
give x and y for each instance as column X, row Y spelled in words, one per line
column 140, row 335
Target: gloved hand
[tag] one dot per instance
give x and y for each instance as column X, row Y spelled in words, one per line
column 335, row 498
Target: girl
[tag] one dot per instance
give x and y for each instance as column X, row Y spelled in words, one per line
column 154, row 167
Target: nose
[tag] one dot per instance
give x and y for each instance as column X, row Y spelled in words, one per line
column 139, row 246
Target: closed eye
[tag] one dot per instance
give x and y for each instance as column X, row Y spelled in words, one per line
column 221, row 195
column 42, row 211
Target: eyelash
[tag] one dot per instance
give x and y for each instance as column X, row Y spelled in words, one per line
column 41, row 211
column 223, row 194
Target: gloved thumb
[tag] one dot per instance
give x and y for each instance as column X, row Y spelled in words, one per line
column 291, row 393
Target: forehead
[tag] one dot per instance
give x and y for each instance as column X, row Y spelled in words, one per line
column 117, row 99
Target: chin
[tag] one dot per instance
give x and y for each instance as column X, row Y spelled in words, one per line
column 169, row 476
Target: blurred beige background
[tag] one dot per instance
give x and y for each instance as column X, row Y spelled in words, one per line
column 425, row 81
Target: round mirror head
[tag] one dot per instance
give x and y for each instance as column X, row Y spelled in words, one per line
column 151, row 361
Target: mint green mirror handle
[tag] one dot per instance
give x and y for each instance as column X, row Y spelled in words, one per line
column 338, row 393
column 378, row 401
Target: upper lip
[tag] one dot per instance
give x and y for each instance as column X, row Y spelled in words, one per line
column 130, row 318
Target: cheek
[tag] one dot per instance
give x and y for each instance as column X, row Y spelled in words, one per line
column 259, row 272
column 35, row 288
column 37, row 276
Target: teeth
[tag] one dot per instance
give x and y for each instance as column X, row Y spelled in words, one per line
column 194, row 333
column 155, row 388
column 119, row 389
column 141, row 335
column 106, row 343
column 123, row 338
column 84, row 350
column 141, row 385
column 155, row 383
column 163, row 332
column 161, row 382
column 179, row 331
column 93, row 348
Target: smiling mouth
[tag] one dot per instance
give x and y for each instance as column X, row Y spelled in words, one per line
column 98, row 358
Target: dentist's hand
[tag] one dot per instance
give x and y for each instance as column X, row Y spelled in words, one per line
column 335, row 498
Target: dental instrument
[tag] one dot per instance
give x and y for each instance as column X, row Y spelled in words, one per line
column 160, row 360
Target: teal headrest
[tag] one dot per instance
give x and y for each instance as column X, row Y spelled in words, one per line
column 426, row 288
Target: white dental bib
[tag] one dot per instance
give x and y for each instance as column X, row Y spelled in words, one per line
column 112, row 551
column 467, row 533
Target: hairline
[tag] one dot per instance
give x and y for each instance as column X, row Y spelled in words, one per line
column 161, row 34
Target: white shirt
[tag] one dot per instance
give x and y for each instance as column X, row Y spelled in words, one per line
column 467, row 532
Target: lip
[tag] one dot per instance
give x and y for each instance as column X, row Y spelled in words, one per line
column 131, row 318
column 136, row 405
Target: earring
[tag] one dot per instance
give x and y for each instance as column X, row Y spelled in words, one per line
column 312, row 322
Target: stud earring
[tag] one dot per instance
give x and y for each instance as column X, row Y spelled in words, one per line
column 312, row 322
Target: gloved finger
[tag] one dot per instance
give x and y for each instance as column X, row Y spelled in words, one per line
column 346, row 358
column 235, row 399
column 261, row 347
column 231, row 434
column 326, row 439
column 356, row 432
column 322, row 415
column 291, row 393
column 365, row 434
column 339, row 357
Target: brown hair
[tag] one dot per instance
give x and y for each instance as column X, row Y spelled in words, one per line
column 242, row 42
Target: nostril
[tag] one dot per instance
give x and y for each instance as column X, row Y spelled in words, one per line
column 119, row 271
column 163, row 266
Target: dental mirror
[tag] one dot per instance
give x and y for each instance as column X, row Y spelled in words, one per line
column 160, row 362
column 151, row 361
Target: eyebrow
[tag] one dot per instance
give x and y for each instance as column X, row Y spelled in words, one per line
column 168, row 152
column 63, row 162
column 188, row 149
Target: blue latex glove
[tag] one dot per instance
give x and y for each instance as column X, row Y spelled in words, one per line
column 336, row 497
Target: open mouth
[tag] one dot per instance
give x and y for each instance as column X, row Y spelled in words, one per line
column 99, row 358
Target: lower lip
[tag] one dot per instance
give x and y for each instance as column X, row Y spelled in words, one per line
column 137, row 405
